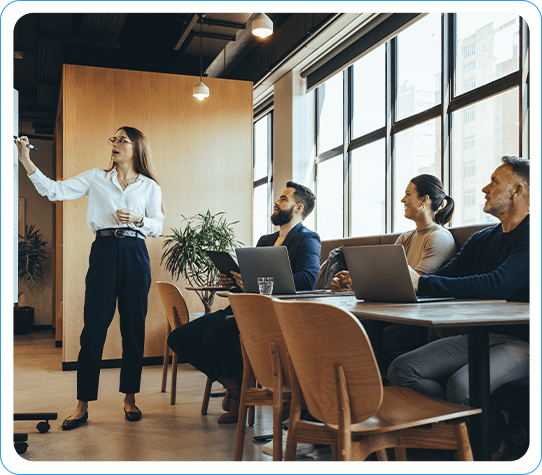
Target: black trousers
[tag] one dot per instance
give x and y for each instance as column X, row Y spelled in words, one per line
column 211, row 344
column 119, row 271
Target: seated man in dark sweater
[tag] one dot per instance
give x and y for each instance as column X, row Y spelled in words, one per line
column 493, row 264
column 210, row 343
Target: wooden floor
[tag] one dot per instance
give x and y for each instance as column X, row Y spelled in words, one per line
column 165, row 433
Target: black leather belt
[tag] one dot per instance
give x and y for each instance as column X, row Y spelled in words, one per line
column 120, row 233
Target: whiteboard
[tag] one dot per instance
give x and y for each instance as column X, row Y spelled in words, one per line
column 15, row 198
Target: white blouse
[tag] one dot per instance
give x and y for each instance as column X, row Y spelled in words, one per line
column 106, row 196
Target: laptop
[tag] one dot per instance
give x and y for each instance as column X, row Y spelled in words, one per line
column 269, row 261
column 380, row 274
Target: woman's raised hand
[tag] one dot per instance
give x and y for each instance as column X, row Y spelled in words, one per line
column 24, row 155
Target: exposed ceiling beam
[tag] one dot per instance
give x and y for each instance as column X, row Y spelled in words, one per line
column 215, row 36
column 187, row 30
column 225, row 24
column 77, row 41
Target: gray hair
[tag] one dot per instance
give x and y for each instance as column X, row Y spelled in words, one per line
column 520, row 166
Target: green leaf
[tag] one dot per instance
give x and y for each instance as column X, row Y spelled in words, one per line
column 184, row 249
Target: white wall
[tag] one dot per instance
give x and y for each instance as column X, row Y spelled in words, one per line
column 39, row 212
column 293, row 157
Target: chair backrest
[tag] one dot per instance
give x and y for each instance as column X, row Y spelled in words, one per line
column 174, row 304
column 320, row 337
column 258, row 326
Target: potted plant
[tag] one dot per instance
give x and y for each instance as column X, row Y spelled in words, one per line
column 184, row 251
column 31, row 256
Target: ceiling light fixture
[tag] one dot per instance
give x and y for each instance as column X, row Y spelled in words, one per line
column 262, row 26
column 201, row 91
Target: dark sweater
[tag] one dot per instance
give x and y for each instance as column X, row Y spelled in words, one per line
column 492, row 265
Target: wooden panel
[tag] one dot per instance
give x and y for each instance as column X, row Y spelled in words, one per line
column 57, row 235
column 202, row 155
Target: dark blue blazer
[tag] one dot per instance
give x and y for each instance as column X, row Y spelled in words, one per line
column 304, row 252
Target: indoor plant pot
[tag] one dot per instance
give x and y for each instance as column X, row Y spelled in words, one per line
column 23, row 320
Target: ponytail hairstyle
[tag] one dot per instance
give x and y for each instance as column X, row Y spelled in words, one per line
column 431, row 186
column 142, row 152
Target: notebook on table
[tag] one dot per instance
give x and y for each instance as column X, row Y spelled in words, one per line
column 380, row 274
column 269, row 261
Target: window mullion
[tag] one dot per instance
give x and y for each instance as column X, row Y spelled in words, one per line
column 270, row 122
column 448, row 74
column 391, row 101
column 347, row 76
column 524, row 89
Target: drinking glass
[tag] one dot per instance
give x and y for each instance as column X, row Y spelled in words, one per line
column 266, row 285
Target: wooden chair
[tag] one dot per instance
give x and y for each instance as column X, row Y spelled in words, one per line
column 264, row 352
column 335, row 373
column 177, row 315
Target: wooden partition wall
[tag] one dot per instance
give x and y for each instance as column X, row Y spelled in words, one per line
column 202, row 153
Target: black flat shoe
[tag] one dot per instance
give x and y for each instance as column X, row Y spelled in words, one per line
column 132, row 416
column 70, row 424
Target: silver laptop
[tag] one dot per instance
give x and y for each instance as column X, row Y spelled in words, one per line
column 380, row 273
column 268, row 261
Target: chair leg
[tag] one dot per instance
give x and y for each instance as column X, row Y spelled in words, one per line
column 345, row 430
column 463, row 442
column 296, row 405
column 335, row 452
column 206, row 396
column 166, row 363
column 400, row 454
column 241, row 424
column 174, row 378
column 246, row 384
column 382, row 455
column 277, row 402
column 252, row 411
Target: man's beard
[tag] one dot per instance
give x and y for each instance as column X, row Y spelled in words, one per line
column 283, row 216
column 497, row 206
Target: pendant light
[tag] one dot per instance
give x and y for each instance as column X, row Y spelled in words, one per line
column 201, row 91
column 262, row 26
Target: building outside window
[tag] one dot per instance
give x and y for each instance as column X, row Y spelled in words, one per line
column 382, row 121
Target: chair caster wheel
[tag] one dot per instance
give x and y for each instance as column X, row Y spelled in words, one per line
column 20, row 447
column 43, row 427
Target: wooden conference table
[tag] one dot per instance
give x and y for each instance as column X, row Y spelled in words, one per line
column 476, row 316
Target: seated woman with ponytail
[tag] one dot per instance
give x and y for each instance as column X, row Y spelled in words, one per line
column 427, row 248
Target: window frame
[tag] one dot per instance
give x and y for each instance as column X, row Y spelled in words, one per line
column 450, row 102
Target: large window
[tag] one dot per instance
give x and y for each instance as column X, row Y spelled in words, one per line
column 441, row 97
column 263, row 176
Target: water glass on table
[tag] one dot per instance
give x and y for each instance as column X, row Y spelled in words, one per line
column 266, row 285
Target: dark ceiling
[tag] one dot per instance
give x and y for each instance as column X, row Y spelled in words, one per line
column 166, row 43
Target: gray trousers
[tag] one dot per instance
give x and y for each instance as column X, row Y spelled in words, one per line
column 440, row 368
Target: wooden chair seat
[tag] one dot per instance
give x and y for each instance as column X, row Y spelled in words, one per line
column 334, row 372
column 177, row 315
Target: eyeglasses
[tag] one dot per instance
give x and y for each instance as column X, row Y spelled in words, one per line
column 118, row 140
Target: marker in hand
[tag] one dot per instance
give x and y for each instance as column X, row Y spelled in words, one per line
column 31, row 147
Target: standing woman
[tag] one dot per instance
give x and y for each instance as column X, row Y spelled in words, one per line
column 124, row 206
